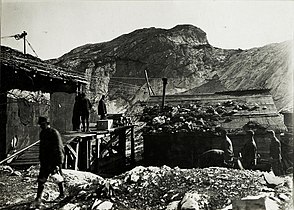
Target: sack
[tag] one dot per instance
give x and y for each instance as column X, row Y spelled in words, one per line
column 56, row 176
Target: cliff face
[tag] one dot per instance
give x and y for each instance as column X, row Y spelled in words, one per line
column 183, row 55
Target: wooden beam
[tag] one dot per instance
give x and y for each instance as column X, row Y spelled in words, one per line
column 19, row 152
column 65, row 165
column 72, row 150
column 77, row 157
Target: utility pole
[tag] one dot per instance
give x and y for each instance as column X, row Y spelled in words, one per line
column 164, row 81
column 22, row 36
column 24, row 41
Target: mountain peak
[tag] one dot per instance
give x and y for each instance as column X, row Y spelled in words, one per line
column 183, row 55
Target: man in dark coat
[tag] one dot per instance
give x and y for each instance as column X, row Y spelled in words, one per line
column 102, row 108
column 275, row 153
column 76, row 115
column 249, row 152
column 85, row 111
column 51, row 155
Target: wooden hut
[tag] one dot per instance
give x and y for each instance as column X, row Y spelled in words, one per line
column 28, row 73
column 182, row 149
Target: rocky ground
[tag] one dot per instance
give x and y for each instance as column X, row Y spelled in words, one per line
column 149, row 188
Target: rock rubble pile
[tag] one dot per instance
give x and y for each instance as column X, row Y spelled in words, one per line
column 201, row 119
column 150, row 188
column 216, row 188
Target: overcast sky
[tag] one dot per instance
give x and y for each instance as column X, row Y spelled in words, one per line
column 56, row 27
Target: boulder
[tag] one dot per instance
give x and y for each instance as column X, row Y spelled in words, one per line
column 255, row 202
column 173, row 205
column 70, row 206
column 6, row 170
column 189, row 202
column 102, row 205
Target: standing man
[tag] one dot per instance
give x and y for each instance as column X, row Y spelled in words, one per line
column 102, row 108
column 249, row 152
column 76, row 115
column 51, row 157
column 275, row 153
column 227, row 147
column 85, row 111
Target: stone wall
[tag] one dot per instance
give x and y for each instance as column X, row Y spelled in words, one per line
column 22, row 127
column 61, row 110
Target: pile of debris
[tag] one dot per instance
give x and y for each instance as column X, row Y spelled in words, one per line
column 216, row 188
column 151, row 188
column 195, row 117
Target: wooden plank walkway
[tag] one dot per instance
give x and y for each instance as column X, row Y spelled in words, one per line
column 79, row 148
column 28, row 157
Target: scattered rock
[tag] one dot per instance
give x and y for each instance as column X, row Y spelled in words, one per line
column 283, row 197
column 154, row 188
column 102, row 205
column 256, row 202
column 173, row 205
column 6, row 170
column 70, row 206
column 272, row 180
column 189, row 202
column 16, row 173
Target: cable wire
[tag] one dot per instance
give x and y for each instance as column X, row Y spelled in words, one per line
column 124, row 83
column 4, row 37
column 31, row 47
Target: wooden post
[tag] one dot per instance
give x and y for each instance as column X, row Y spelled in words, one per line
column 65, row 158
column 84, row 155
column 164, row 80
column 97, row 154
column 23, row 35
column 97, row 147
column 3, row 121
column 89, row 153
column 132, row 146
column 77, row 156
column 122, row 142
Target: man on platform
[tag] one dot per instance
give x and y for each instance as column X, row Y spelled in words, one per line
column 102, row 108
column 85, row 111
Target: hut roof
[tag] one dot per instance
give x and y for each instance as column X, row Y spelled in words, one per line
column 26, row 72
column 261, row 111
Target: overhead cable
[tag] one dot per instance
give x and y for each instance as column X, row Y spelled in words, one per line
column 31, row 47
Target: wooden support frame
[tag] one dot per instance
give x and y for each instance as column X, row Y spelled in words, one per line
column 71, row 152
column 88, row 155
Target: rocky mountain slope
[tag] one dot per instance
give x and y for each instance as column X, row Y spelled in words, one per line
column 183, row 55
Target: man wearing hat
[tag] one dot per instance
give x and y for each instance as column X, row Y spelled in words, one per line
column 51, row 155
column 102, row 111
